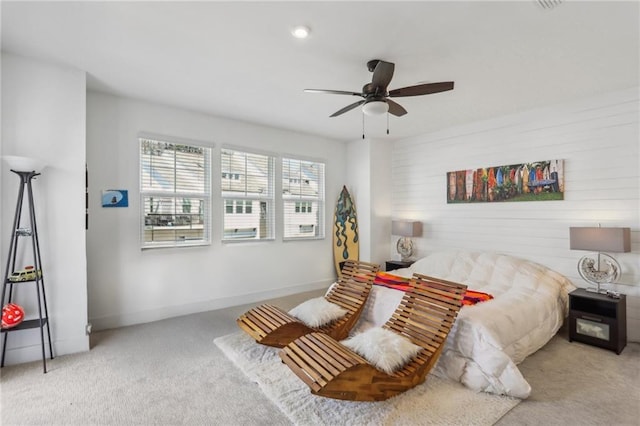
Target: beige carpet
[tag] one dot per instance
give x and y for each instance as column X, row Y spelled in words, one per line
column 171, row 373
column 435, row 402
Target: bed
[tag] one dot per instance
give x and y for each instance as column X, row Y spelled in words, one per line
column 489, row 338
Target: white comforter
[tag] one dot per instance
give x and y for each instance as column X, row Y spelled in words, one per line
column 489, row 339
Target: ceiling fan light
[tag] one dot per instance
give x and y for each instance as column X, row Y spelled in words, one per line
column 375, row 108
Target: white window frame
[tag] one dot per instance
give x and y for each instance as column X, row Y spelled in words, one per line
column 185, row 240
column 290, row 201
column 250, row 233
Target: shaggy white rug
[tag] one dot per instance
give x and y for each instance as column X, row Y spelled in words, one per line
column 435, row 402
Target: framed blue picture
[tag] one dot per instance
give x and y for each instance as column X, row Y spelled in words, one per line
column 115, row 198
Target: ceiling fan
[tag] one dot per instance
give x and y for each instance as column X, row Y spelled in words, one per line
column 376, row 96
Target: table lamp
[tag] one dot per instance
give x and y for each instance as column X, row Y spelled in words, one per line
column 616, row 240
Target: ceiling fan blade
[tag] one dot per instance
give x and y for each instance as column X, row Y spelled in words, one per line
column 347, row 108
column 422, row 89
column 395, row 108
column 333, row 92
column 382, row 75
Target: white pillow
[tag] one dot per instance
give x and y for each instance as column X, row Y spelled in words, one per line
column 318, row 312
column 386, row 350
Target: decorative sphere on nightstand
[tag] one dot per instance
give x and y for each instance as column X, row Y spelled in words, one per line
column 405, row 248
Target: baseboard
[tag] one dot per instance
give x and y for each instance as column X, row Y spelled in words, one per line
column 33, row 352
column 140, row 317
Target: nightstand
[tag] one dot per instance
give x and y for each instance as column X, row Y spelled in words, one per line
column 597, row 319
column 390, row 265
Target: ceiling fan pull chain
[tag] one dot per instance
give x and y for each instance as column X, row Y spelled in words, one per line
column 387, row 123
column 363, row 125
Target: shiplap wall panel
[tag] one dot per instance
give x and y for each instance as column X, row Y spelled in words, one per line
column 599, row 141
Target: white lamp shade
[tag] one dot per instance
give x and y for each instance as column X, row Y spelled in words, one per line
column 375, row 108
column 24, row 164
column 405, row 228
column 614, row 240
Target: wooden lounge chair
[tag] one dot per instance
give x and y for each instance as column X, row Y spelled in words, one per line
column 270, row 325
column 425, row 316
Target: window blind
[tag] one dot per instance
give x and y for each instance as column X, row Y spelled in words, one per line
column 247, row 184
column 175, row 193
column 303, row 199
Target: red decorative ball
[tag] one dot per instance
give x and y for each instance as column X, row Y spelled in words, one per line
column 12, row 315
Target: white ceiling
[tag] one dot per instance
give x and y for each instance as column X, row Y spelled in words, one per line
column 238, row 59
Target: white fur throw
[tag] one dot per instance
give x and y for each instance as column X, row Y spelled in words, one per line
column 318, row 312
column 385, row 349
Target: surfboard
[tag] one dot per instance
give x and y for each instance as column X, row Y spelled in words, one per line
column 525, row 179
column 469, row 185
column 452, row 186
column 346, row 241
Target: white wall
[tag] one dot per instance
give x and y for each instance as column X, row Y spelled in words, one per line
column 599, row 140
column 127, row 285
column 369, row 182
column 43, row 116
column 380, row 196
column 359, row 186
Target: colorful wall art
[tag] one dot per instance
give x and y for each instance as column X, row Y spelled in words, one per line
column 537, row 181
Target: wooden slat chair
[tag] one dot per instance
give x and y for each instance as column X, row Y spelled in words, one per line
column 425, row 316
column 272, row 326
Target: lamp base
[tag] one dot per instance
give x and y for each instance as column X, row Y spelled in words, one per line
column 405, row 248
column 602, row 270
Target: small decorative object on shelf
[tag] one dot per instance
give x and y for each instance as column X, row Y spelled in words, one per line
column 18, row 278
column 26, row 274
column 23, row 232
column 598, row 319
column 12, row 315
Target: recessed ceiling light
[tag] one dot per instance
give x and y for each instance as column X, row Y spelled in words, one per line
column 300, row 32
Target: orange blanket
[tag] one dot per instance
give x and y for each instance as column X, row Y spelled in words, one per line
column 471, row 297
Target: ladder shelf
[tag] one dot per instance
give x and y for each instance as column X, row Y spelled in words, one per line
column 21, row 278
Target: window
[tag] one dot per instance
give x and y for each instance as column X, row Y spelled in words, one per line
column 303, row 206
column 175, row 193
column 247, row 183
column 238, row 207
column 303, row 198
